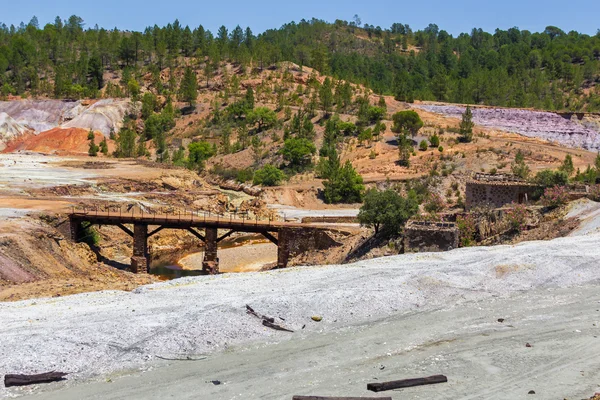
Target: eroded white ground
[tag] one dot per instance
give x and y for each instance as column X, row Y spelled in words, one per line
column 390, row 318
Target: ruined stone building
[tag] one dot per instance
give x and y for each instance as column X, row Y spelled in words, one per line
column 427, row 236
column 497, row 190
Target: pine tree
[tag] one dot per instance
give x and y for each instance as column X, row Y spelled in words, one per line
column 141, row 150
column 326, row 96
column 208, row 71
column 597, row 162
column 519, row 168
column 567, row 165
column 93, row 148
column 188, row 89
column 343, row 184
column 249, row 99
column 405, row 149
column 104, row 147
column 126, row 143
column 466, row 126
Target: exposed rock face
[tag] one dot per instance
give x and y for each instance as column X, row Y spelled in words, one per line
column 538, row 124
column 42, row 115
column 39, row 115
column 103, row 116
column 9, row 129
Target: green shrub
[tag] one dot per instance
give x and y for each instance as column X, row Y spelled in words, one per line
column 549, row 178
column 387, row 211
column 268, row 175
column 298, row 152
column 89, row 234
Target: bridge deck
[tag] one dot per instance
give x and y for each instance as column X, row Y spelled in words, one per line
column 189, row 220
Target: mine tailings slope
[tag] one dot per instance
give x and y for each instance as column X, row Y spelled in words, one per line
column 396, row 317
column 21, row 120
column 58, row 141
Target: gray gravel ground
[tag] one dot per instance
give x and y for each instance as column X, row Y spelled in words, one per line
column 400, row 312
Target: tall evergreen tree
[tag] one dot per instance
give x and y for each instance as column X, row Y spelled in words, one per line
column 249, row 98
column 188, row 89
column 326, row 96
column 93, row 148
column 342, row 184
column 466, row 126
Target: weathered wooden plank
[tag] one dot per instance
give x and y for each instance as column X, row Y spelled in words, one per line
column 22, row 380
column 275, row 326
column 251, row 311
column 338, row 398
column 404, row 383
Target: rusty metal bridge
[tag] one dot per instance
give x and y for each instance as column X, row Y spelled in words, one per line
column 205, row 226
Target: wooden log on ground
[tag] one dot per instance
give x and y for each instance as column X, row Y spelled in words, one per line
column 338, row 398
column 275, row 326
column 22, row 380
column 430, row 380
column 251, row 311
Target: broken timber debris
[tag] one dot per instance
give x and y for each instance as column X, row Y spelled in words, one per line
column 430, row 380
column 251, row 311
column 269, row 322
column 338, row 398
column 275, row 326
column 22, row 380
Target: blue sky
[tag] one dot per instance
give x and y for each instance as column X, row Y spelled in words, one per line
column 455, row 16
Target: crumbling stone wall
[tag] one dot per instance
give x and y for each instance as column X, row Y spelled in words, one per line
column 497, row 192
column 430, row 237
column 293, row 242
column 303, row 240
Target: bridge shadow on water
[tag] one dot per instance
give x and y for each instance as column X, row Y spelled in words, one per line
column 167, row 272
column 164, row 271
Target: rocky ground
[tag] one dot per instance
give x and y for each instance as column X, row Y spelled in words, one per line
column 384, row 319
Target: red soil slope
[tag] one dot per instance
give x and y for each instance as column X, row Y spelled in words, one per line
column 57, row 141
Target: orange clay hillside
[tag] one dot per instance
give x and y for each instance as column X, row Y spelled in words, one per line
column 62, row 141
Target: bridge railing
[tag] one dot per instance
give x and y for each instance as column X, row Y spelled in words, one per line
column 117, row 210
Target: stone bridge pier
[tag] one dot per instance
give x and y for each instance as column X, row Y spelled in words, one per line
column 139, row 260
column 210, row 263
column 291, row 239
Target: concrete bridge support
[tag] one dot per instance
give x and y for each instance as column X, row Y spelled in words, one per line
column 139, row 261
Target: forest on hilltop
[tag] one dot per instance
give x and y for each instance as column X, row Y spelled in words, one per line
column 552, row 70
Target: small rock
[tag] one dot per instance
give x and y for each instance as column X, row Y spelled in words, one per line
column 531, row 392
column 501, row 320
column 382, row 367
column 317, row 318
column 216, row 382
column 528, row 345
